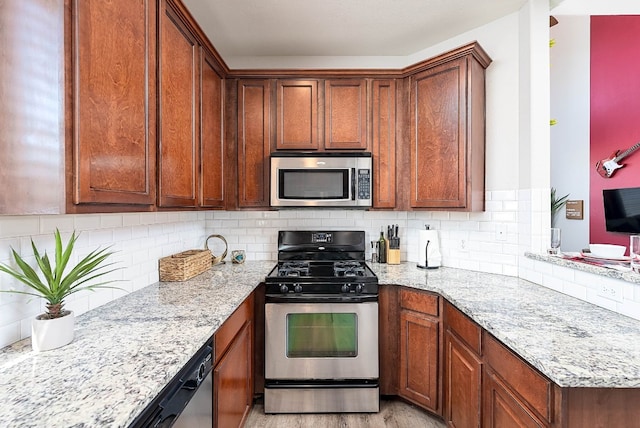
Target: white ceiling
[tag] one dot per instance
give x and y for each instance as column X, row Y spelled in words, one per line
column 334, row 28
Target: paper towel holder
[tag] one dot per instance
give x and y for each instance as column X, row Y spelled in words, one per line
column 426, row 254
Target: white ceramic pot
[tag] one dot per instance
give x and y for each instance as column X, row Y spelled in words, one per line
column 51, row 334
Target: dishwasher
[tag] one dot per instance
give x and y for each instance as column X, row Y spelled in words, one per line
column 187, row 400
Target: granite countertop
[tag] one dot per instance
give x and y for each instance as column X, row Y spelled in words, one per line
column 125, row 352
column 572, row 342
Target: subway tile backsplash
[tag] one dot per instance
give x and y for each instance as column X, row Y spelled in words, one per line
column 468, row 241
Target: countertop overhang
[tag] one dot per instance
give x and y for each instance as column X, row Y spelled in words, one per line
column 126, row 351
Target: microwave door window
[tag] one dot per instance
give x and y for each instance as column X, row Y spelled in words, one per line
column 323, row 184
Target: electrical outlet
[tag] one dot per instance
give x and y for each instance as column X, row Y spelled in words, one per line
column 463, row 246
column 501, row 232
column 611, row 291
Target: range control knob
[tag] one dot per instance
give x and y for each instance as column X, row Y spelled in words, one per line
column 346, row 288
column 359, row 288
column 297, row 288
column 284, row 289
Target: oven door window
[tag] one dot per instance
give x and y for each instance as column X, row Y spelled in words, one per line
column 322, row 335
column 314, row 184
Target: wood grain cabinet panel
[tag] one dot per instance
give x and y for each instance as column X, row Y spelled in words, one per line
column 462, row 384
column 297, row 114
column 502, row 408
column 383, row 142
column 179, row 101
column 462, row 369
column 447, row 133
column 232, row 382
column 233, row 367
column 212, row 153
column 345, row 116
column 254, row 143
column 419, row 379
column 113, row 109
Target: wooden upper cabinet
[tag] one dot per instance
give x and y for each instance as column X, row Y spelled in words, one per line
column 179, row 110
column 383, row 142
column 345, row 115
column 447, row 133
column 297, row 114
column 254, row 143
column 112, row 109
column 211, row 135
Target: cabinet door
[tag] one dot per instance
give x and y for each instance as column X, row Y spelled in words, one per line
column 254, row 143
column 462, row 384
column 297, row 114
column 448, row 135
column 419, row 359
column 232, row 381
column 438, row 137
column 383, row 142
column 502, row 408
column 345, row 118
column 113, row 106
column 212, row 168
column 179, row 113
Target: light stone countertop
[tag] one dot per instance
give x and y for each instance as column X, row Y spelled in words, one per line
column 125, row 352
column 572, row 342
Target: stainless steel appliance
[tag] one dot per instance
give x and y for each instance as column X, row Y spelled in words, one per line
column 300, row 179
column 321, row 325
column 187, row 400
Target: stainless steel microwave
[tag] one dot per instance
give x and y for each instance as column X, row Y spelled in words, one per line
column 323, row 179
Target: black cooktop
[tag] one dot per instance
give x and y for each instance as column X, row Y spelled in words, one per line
column 321, row 262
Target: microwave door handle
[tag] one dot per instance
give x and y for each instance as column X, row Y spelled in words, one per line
column 353, row 184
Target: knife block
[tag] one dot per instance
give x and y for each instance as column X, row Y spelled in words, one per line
column 393, row 256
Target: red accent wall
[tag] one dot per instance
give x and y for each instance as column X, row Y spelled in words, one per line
column 615, row 112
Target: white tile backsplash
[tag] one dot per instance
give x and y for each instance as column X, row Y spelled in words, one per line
column 467, row 240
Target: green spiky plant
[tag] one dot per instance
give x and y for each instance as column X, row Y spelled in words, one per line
column 557, row 203
column 57, row 286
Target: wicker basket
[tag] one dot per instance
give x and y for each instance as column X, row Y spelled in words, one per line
column 184, row 265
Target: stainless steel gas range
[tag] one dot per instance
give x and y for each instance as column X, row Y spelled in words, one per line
column 321, row 325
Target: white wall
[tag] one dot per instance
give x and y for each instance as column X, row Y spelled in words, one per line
column 570, row 101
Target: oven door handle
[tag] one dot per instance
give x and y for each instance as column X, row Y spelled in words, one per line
column 298, row 298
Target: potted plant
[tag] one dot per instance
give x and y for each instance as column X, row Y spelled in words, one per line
column 54, row 328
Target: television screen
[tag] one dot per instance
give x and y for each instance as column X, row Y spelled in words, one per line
column 622, row 209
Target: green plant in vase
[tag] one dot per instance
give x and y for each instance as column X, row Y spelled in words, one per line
column 54, row 285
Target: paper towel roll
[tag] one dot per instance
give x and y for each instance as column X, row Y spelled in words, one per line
column 429, row 255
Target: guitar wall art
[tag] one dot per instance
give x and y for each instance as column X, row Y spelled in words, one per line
column 606, row 167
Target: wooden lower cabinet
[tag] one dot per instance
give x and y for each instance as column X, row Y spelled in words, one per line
column 232, row 382
column 502, row 408
column 462, row 384
column 233, row 369
column 419, row 379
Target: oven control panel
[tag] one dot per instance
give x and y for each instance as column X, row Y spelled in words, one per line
column 322, row 238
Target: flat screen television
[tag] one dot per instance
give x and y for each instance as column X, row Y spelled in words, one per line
column 622, row 209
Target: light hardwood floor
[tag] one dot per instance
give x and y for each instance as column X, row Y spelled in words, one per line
column 393, row 414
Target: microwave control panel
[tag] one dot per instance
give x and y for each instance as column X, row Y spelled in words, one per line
column 364, row 183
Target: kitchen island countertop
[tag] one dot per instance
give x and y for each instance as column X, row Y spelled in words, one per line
column 126, row 351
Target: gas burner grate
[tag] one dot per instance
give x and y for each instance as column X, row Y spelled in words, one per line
column 348, row 268
column 294, row 269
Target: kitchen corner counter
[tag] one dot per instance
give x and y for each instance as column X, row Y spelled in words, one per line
column 572, row 342
column 123, row 353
